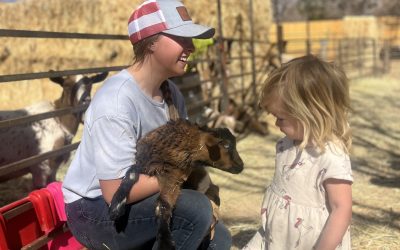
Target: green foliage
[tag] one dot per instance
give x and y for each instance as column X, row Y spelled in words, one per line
column 201, row 46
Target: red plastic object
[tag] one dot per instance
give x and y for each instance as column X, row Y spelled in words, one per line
column 3, row 238
column 66, row 240
column 19, row 224
column 39, row 214
column 43, row 203
column 55, row 189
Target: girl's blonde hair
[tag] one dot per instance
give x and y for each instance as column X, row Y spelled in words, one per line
column 315, row 93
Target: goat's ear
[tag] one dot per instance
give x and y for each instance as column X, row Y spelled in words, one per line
column 99, row 77
column 204, row 127
column 213, row 131
column 213, row 148
column 213, row 152
column 57, row 79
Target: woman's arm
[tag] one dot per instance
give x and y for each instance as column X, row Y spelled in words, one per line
column 145, row 187
column 340, row 203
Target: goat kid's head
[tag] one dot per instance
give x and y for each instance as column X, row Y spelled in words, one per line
column 77, row 89
column 219, row 150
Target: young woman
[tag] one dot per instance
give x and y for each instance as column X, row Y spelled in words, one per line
column 308, row 204
column 125, row 108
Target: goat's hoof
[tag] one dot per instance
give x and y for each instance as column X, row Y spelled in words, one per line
column 166, row 245
column 116, row 211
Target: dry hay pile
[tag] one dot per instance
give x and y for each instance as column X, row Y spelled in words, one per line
column 360, row 27
column 26, row 55
column 35, row 55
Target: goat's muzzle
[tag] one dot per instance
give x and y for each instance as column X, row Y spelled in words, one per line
column 237, row 165
column 236, row 169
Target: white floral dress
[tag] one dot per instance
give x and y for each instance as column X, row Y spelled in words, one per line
column 294, row 211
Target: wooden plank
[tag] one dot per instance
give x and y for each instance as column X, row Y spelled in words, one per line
column 51, row 34
column 15, row 166
column 41, row 75
column 17, row 211
column 43, row 240
column 33, row 118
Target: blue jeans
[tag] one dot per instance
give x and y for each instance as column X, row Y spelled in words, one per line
column 90, row 224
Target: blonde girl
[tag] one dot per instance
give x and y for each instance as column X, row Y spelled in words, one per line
column 308, row 204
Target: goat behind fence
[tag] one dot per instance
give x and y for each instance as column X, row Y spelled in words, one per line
column 23, row 141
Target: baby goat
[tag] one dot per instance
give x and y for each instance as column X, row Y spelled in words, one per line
column 170, row 153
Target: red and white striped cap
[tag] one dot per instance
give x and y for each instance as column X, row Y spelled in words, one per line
column 167, row 16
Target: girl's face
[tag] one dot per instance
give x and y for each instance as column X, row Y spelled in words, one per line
column 291, row 127
column 172, row 52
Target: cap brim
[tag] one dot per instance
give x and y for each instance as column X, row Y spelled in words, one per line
column 192, row 30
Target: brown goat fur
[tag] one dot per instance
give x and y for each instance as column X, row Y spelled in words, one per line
column 170, row 153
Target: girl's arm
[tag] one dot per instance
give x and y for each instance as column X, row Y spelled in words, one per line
column 340, row 202
column 145, row 187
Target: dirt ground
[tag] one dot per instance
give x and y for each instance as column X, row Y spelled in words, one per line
column 375, row 159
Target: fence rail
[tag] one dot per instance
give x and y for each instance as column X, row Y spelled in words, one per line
column 51, row 34
column 42, row 75
column 25, row 163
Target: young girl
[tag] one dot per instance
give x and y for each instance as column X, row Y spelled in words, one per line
column 129, row 105
column 308, row 204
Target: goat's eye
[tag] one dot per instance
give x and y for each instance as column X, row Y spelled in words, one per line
column 224, row 144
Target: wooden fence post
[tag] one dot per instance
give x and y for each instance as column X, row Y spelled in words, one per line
column 386, row 56
column 222, row 60
column 374, row 53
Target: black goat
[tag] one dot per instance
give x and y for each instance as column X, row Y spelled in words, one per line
column 170, row 153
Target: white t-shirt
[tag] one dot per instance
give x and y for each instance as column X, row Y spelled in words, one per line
column 119, row 114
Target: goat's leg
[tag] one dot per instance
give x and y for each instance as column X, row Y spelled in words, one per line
column 54, row 165
column 252, row 123
column 164, row 236
column 200, row 180
column 118, row 202
column 40, row 173
column 170, row 186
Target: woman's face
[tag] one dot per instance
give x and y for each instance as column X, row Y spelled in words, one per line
column 291, row 127
column 171, row 53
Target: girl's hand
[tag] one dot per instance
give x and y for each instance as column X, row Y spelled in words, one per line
column 340, row 203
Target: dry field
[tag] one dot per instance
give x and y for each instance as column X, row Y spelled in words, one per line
column 375, row 159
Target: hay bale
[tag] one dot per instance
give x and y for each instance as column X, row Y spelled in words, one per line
column 361, row 27
column 26, row 55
